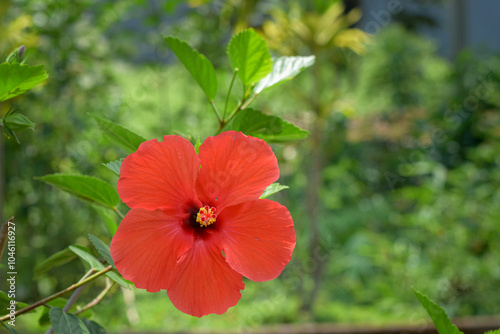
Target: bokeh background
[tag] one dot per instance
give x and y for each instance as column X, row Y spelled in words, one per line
column 397, row 185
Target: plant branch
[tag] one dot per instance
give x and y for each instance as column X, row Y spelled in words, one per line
column 58, row 294
column 4, row 232
column 97, row 299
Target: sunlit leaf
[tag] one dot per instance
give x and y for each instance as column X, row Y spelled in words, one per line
column 55, row 260
column 200, row 68
column 437, row 314
column 17, row 79
column 65, row 323
column 85, row 254
column 103, row 249
column 250, row 56
column 127, row 139
column 284, row 68
column 272, row 189
column 114, row 166
column 85, row 187
column 270, row 128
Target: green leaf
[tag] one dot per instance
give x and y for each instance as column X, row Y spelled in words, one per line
column 17, row 79
column 18, row 122
column 200, row 68
column 437, row 314
column 65, row 323
column 127, row 139
column 55, row 260
column 250, row 56
column 45, row 318
column 9, row 328
column 270, row 128
column 493, row 332
column 85, row 187
column 107, row 219
column 118, row 279
column 103, row 249
column 85, row 254
column 93, row 327
column 114, row 166
column 60, row 302
column 284, row 68
column 272, row 189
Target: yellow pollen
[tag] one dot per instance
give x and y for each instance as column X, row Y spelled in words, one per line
column 206, row 216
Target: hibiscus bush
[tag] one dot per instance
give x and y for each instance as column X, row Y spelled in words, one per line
column 199, row 216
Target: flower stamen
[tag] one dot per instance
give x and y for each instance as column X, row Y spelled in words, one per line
column 206, row 216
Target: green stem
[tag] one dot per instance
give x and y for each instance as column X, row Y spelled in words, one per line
column 229, row 92
column 58, row 294
column 121, row 215
column 214, row 107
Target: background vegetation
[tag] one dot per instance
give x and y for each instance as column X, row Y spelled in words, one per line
column 397, row 185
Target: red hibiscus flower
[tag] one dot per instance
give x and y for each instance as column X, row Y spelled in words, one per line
column 196, row 223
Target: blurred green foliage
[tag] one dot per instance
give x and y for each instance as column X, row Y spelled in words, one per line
column 409, row 192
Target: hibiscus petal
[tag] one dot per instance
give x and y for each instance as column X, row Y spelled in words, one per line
column 146, row 247
column 160, row 175
column 234, row 168
column 257, row 238
column 203, row 283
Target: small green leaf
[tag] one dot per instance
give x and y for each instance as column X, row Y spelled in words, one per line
column 497, row 331
column 127, row 139
column 65, row 323
column 103, row 249
column 93, row 327
column 200, row 68
column 437, row 314
column 272, row 189
column 270, row 128
column 85, row 187
column 114, row 166
column 249, row 55
column 18, row 122
column 85, row 254
column 55, row 260
column 284, row 68
column 118, row 279
column 9, row 328
column 45, row 318
column 17, row 79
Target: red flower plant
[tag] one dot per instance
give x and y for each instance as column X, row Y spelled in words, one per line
column 196, row 223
